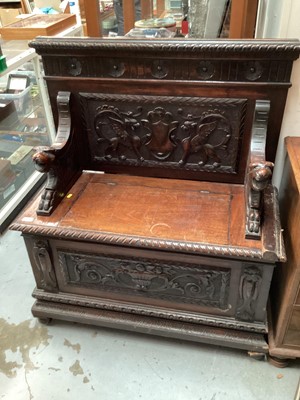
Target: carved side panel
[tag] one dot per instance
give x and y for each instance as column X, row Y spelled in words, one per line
column 189, row 133
column 189, row 284
column 44, row 266
column 249, row 290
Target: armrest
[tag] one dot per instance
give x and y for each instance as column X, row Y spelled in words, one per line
column 259, row 173
column 58, row 160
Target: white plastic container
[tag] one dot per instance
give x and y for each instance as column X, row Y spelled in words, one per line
column 22, row 100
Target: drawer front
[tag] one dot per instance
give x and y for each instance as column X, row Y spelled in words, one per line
column 156, row 283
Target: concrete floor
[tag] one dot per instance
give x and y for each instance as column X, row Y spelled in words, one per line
column 71, row 361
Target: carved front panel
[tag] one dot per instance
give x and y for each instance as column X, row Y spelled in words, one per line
column 175, row 282
column 183, row 133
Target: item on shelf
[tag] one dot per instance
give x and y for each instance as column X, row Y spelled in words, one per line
column 21, row 160
column 7, row 174
column 9, row 15
column 12, row 136
column 156, row 23
column 19, row 154
column 3, row 64
column 14, row 184
column 22, row 100
column 8, row 114
column 110, row 25
column 7, row 147
column 49, row 6
column 38, row 25
column 150, row 33
column 17, row 83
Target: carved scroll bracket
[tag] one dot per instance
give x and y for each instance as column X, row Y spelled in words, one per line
column 58, row 160
column 259, row 172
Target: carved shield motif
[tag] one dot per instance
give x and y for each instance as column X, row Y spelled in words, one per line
column 161, row 125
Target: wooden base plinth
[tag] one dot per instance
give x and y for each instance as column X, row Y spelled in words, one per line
column 151, row 325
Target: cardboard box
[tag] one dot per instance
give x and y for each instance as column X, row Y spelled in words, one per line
column 55, row 4
column 38, row 25
column 9, row 15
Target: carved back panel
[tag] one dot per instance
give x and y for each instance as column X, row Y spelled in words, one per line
column 161, row 108
column 179, row 133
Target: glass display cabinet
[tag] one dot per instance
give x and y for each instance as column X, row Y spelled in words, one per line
column 25, row 122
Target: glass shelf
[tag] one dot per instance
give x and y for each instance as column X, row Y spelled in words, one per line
column 24, row 124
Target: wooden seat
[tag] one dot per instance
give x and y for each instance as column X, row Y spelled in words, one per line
column 152, row 210
column 159, row 214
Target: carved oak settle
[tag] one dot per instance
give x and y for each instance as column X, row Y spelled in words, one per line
column 180, row 234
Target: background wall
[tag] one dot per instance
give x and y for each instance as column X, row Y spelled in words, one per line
column 281, row 19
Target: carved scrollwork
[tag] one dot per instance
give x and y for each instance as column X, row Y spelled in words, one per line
column 253, row 70
column 116, row 68
column 173, row 282
column 41, row 253
column 159, row 69
column 205, row 70
column 74, row 67
column 192, row 134
column 199, row 134
column 248, row 290
column 117, row 129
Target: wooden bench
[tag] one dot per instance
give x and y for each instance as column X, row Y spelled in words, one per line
column 158, row 214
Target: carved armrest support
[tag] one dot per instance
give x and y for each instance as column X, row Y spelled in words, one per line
column 43, row 158
column 259, row 173
column 259, row 177
column 57, row 160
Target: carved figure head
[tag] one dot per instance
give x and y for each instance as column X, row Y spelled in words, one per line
column 43, row 161
column 261, row 174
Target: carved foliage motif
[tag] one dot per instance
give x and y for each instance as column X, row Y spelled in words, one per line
column 190, row 284
column 249, row 289
column 199, row 134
